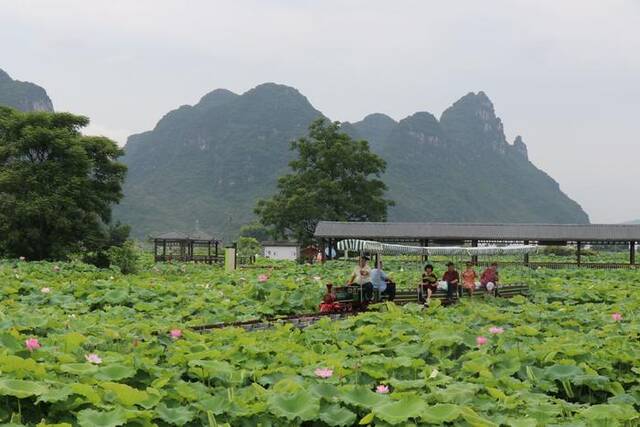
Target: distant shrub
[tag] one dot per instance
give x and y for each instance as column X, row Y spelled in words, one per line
column 248, row 247
column 568, row 251
column 255, row 230
column 125, row 257
column 559, row 250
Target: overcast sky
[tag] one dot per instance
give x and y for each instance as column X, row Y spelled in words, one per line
column 564, row 74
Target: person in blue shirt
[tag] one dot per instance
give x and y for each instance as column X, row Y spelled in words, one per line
column 382, row 283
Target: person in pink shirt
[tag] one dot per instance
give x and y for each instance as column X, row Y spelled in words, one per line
column 469, row 277
column 489, row 278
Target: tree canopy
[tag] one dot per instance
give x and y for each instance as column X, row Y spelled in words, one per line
column 56, row 185
column 333, row 178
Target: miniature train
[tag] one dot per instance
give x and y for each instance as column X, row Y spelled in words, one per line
column 348, row 298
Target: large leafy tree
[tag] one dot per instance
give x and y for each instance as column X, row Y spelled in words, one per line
column 56, row 185
column 333, row 178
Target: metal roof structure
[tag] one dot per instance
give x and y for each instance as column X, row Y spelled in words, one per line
column 176, row 235
column 283, row 243
column 389, row 231
column 369, row 246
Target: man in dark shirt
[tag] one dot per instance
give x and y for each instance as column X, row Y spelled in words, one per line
column 452, row 278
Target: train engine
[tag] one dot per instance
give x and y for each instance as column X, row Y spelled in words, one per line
column 343, row 299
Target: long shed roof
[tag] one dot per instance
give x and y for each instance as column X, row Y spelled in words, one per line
column 177, row 235
column 453, row 231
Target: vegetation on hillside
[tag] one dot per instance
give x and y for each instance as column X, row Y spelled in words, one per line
column 210, row 163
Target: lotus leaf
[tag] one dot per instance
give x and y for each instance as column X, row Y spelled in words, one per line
column 114, row 372
column 441, row 413
column 395, row 412
column 361, row 396
column 126, row 395
column 91, row 418
column 21, row 388
column 300, row 405
column 335, row 415
column 177, row 416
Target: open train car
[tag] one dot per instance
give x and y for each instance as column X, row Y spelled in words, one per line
column 350, row 298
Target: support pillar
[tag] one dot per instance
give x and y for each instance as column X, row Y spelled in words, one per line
column 632, row 253
column 526, row 256
column 323, row 245
column 474, row 258
column 425, row 258
column 579, row 252
column 235, row 255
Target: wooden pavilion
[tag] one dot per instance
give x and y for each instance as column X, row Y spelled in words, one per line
column 328, row 233
column 176, row 246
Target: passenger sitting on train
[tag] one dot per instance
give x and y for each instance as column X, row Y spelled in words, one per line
column 329, row 303
column 429, row 284
column 362, row 276
column 452, row 278
column 382, row 283
column 489, row 278
column 469, row 277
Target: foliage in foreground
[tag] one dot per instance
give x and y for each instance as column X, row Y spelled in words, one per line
column 118, row 350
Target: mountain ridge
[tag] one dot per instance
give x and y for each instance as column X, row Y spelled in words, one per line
column 209, row 162
column 23, row 96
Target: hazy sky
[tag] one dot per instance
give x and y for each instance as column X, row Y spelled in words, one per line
column 564, row 74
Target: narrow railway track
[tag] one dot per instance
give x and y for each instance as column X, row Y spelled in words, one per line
column 299, row 321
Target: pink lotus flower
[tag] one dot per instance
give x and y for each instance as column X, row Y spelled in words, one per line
column 382, row 389
column 45, row 290
column 480, row 340
column 263, row 278
column 617, row 317
column 93, row 358
column 32, row 344
column 175, row 333
column 324, row 372
column 496, row 330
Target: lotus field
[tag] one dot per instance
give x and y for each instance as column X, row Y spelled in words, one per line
column 88, row 347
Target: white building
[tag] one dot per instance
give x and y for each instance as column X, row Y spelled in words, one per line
column 281, row 250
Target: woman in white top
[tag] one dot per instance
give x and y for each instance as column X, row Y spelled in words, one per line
column 362, row 276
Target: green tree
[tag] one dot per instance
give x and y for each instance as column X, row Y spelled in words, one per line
column 248, row 247
column 56, row 185
column 334, row 178
column 255, row 230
